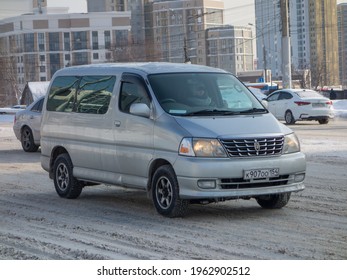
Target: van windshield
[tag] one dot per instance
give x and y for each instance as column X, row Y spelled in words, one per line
column 191, row 94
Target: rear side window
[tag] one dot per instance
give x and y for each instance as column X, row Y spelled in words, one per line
column 87, row 94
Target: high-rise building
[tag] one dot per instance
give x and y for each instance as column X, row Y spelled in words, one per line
column 230, row 48
column 342, row 31
column 324, row 42
column 136, row 7
column 313, row 33
column 176, row 30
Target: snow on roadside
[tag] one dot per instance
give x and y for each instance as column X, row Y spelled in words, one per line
column 340, row 107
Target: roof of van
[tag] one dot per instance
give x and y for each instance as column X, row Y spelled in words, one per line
column 145, row 67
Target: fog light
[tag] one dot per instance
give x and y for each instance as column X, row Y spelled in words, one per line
column 299, row 177
column 207, row 184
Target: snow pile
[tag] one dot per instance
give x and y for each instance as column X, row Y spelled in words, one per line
column 340, row 107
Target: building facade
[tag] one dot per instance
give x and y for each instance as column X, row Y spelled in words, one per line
column 313, row 33
column 176, row 30
column 136, row 7
column 37, row 45
column 230, row 48
column 342, row 31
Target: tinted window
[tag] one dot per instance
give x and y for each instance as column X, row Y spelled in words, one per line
column 88, row 94
column 273, row 97
column 94, row 94
column 38, row 106
column 133, row 90
column 62, row 94
column 285, row 95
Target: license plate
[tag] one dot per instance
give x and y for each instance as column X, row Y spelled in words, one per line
column 261, row 173
column 318, row 105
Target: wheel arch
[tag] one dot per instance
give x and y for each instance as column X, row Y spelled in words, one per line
column 55, row 153
column 153, row 167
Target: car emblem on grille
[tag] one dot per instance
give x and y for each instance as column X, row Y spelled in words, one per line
column 256, row 146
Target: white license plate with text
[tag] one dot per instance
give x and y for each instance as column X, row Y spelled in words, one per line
column 261, row 173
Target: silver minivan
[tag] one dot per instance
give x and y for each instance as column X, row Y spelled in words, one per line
column 184, row 133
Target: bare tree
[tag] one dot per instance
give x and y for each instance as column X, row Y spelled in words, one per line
column 9, row 88
column 318, row 73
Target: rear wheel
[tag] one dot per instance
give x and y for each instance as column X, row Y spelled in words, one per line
column 273, row 201
column 323, row 121
column 165, row 193
column 289, row 118
column 27, row 140
column 66, row 185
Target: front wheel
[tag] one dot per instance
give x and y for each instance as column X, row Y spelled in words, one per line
column 66, row 185
column 273, row 201
column 165, row 193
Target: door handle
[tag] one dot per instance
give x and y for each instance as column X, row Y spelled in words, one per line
column 117, row 123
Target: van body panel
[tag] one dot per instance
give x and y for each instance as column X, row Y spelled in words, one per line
column 232, row 126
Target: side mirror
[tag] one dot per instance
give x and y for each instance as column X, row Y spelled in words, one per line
column 140, row 109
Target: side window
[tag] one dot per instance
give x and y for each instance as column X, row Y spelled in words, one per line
column 38, row 106
column 94, row 94
column 62, row 94
column 133, row 90
column 285, row 95
column 89, row 94
column 273, row 97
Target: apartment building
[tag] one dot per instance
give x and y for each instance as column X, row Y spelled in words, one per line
column 313, row 33
column 176, row 30
column 324, row 42
column 37, row 45
column 230, row 48
column 342, row 34
column 137, row 41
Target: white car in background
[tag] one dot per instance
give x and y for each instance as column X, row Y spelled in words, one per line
column 27, row 124
column 293, row 105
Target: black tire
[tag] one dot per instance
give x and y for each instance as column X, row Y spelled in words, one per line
column 323, row 121
column 165, row 193
column 27, row 140
column 274, row 201
column 288, row 117
column 65, row 184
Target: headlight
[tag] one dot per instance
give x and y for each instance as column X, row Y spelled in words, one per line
column 291, row 144
column 201, row 147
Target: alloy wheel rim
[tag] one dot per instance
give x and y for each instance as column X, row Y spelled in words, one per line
column 164, row 192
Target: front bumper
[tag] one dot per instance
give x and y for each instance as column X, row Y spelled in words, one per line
column 224, row 177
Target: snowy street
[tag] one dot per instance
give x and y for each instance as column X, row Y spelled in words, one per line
column 114, row 223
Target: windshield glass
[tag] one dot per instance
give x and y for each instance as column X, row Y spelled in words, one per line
column 188, row 94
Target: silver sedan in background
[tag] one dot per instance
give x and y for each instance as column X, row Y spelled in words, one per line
column 27, row 125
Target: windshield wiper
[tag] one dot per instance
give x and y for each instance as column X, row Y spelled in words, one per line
column 254, row 110
column 210, row 112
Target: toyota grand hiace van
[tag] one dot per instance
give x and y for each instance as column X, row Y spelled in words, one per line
column 183, row 133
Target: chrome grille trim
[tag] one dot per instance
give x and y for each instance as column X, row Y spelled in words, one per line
column 248, row 147
column 247, row 184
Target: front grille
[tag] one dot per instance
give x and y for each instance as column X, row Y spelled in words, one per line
column 247, row 184
column 247, row 147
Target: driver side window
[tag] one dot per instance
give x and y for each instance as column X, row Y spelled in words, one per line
column 132, row 91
